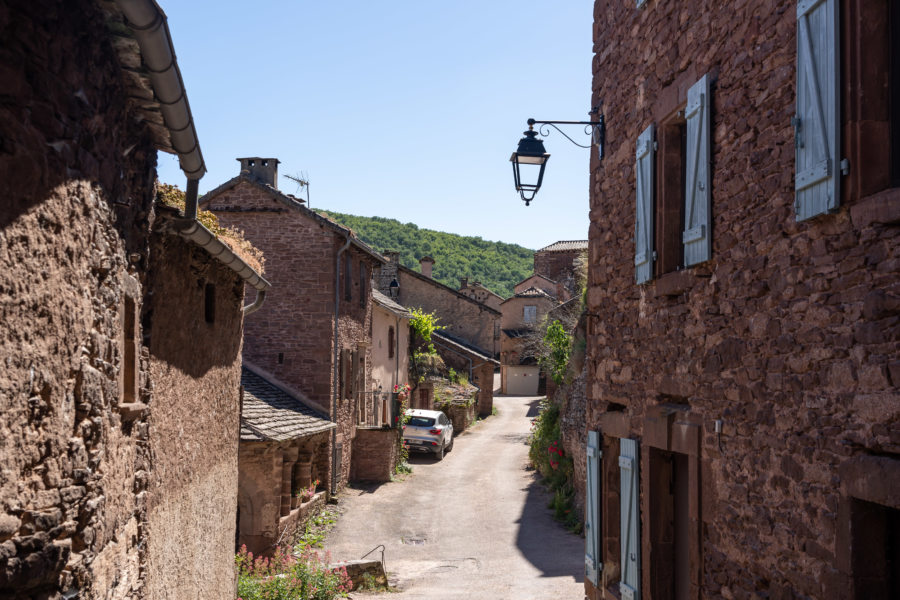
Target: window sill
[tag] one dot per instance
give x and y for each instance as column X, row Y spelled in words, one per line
column 880, row 208
column 674, row 284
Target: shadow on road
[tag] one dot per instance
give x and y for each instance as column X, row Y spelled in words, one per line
column 534, row 408
column 544, row 542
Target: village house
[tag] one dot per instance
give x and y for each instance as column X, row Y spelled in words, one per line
column 558, row 263
column 545, row 284
column 121, row 334
column 468, row 326
column 461, row 316
column 743, row 413
column 476, row 291
column 390, row 353
column 283, row 462
column 477, row 366
column 314, row 334
column 520, row 373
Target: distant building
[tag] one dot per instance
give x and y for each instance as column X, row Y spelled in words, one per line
column 476, row 291
column 520, row 373
column 557, row 262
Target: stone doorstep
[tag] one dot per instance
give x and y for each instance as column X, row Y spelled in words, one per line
column 358, row 569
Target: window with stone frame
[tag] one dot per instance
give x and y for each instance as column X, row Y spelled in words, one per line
column 529, row 314
column 363, row 284
column 348, row 279
column 673, row 210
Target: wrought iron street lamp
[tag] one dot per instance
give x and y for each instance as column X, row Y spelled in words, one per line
column 532, row 154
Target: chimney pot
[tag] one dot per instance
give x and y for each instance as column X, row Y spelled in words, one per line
column 263, row 170
column 425, row 264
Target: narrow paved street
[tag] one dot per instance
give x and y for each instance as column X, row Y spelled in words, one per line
column 475, row 525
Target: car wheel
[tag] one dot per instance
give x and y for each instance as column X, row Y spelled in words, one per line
column 440, row 453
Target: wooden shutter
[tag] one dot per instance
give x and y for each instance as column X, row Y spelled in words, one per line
column 817, row 122
column 592, row 565
column 697, row 236
column 643, row 224
column 630, row 531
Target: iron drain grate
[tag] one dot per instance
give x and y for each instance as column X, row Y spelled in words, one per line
column 414, row 540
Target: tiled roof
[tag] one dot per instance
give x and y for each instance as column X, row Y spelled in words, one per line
column 392, row 306
column 270, row 413
column 565, row 246
column 531, row 292
column 466, row 347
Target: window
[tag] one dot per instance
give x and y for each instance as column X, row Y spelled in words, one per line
column 673, row 198
column 129, row 352
column 363, row 284
column 391, row 342
column 529, row 314
column 348, row 279
column 209, row 303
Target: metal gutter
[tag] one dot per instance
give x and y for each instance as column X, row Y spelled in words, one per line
column 148, row 22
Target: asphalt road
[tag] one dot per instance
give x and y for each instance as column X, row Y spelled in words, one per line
column 475, row 525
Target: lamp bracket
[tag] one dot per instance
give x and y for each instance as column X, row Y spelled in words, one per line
column 596, row 129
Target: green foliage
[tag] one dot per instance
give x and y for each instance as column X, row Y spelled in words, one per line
column 457, row 377
column 558, row 345
column 498, row 266
column 316, row 529
column 422, row 325
column 558, row 470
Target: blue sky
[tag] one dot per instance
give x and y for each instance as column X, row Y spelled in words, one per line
column 400, row 109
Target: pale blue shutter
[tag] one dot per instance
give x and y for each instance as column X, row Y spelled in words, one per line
column 643, row 223
column 630, row 532
column 592, row 565
column 697, row 236
column 817, row 122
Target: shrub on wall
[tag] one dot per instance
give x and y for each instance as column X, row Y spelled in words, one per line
column 558, row 470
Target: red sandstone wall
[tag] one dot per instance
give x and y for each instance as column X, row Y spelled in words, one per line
column 73, row 223
column 298, row 317
column 194, row 429
column 789, row 334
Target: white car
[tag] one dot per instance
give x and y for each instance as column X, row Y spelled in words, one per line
column 428, row 431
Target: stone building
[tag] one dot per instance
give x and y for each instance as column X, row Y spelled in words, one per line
column 284, row 450
column 463, row 317
column 558, row 261
column 390, row 353
column 545, row 284
column 314, row 333
column 120, row 337
column 520, row 373
column 477, row 366
column 744, row 307
column 476, row 291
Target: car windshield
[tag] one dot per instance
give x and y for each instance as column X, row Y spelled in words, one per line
column 421, row 421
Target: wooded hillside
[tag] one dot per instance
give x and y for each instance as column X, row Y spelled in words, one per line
column 497, row 265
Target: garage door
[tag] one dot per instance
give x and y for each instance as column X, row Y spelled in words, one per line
column 522, row 380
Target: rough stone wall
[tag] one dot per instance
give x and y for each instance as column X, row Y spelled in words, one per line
column 297, row 318
column 73, row 243
column 194, row 429
column 375, row 454
column 291, row 336
column 558, row 266
column 261, row 466
column 462, row 316
column 789, row 334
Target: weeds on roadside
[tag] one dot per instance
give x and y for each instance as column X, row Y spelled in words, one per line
column 317, row 527
column 284, row 576
column 548, row 458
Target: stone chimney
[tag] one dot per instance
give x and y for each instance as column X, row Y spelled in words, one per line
column 388, row 272
column 425, row 264
column 263, row 170
column 463, row 283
